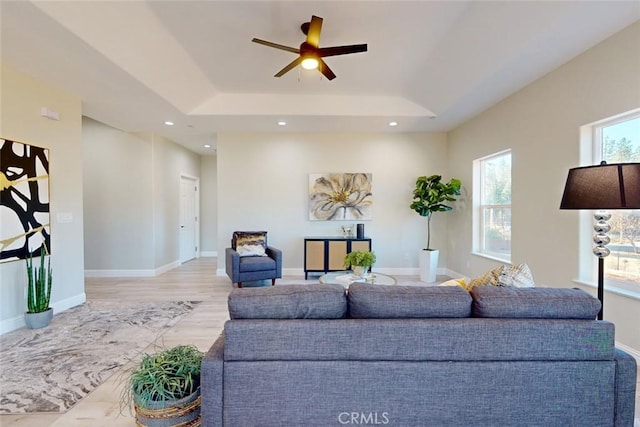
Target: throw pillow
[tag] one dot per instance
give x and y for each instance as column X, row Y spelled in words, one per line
column 250, row 243
column 518, row 276
column 455, row 282
column 488, row 278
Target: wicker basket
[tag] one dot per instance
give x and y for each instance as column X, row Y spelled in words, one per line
column 174, row 413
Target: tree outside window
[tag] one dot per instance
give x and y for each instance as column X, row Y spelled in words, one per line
column 494, row 210
column 619, row 142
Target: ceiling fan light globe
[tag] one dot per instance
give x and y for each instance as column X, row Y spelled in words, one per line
column 309, row 63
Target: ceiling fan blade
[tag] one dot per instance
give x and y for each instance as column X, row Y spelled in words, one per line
column 325, row 70
column 289, row 67
column 315, row 26
column 341, row 50
column 276, row 45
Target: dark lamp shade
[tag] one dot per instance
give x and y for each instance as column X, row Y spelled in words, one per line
column 606, row 186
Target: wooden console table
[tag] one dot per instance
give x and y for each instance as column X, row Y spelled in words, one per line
column 324, row 254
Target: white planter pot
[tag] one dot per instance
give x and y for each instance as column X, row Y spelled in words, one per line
column 359, row 271
column 428, row 265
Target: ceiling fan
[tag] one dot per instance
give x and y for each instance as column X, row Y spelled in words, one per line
column 310, row 53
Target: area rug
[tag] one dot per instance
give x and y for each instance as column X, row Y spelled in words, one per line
column 51, row 369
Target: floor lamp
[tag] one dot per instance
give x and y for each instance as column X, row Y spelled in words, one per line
column 602, row 187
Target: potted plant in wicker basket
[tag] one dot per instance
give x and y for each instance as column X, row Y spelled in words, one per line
column 165, row 388
column 360, row 261
column 39, row 280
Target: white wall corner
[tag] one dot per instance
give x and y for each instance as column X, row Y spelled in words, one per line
column 163, row 269
column 132, row 273
column 18, row 322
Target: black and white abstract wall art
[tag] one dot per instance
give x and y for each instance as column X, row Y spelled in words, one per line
column 24, row 200
column 340, row 196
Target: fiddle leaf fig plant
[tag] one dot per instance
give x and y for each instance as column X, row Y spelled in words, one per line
column 431, row 195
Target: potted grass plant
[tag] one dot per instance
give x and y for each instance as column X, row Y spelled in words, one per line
column 431, row 195
column 360, row 261
column 39, row 280
column 165, row 388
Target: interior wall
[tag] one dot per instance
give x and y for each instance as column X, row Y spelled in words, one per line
column 21, row 98
column 133, row 200
column 209, row 205
column 263, row 181
column 541, row 125
column 170, row 161
column 118, row 201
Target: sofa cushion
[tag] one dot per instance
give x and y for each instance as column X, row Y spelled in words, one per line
column 322, row 301
column 387, row 302
column 533, row 303
column 456, row 339
column 249, row 243
column 256, row 263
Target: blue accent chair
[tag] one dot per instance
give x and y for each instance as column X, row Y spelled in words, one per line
column 250, row 268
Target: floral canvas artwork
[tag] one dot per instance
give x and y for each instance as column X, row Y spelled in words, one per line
column 340, row 196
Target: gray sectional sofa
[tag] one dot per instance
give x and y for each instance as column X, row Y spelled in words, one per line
column 315, row 355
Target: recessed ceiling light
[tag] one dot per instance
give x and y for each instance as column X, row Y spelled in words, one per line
column 168, row 123
column 393, row 123
column 207, row 146
column 282, row 123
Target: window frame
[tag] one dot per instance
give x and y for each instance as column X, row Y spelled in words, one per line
column 480, row 208
column 589, row 265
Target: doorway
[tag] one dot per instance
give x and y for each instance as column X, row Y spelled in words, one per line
column 189, row 217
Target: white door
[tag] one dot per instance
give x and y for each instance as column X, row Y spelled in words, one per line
column 188, row 218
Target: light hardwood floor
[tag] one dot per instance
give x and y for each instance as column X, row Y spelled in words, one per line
column 193, row 281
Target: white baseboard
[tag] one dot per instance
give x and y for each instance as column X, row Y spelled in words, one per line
column 158, row 271
column 17, row 322
column 632, row 351
column 452, row 274
column 132, row 273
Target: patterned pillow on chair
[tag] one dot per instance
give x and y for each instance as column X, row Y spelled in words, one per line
column 250, row 243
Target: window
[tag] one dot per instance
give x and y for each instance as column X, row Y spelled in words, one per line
column 618, row 141
column 492, row 216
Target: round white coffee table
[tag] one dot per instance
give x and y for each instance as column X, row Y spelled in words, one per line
column 345, row 278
